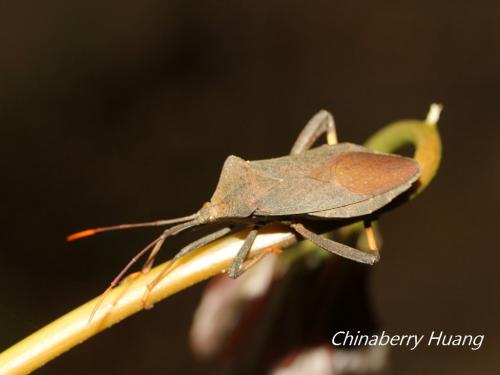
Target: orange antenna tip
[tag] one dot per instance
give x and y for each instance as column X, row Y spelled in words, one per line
column 83, row 233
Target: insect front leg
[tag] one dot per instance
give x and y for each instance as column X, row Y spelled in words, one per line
column 322, row 122
column 336, row 247
column 183, row 252
column 166, row 233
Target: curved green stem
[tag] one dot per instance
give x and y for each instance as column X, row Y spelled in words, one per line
column 126, row 299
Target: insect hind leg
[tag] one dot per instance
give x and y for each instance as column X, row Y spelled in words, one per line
column 370, row 236
column 336, row 247
column 322, row 122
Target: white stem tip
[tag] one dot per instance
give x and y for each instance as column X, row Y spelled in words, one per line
column 434, row 113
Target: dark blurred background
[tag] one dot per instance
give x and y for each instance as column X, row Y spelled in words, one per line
column 123, row 111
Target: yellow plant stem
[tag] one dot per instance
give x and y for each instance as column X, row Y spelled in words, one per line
column 126, row 299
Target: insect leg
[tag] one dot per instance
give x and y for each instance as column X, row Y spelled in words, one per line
column 120, row 276
column 250, row 263
column 321, row 122
column 166, row 233
column 234, row 270
column 202, row 242
column 370, row 236
column 184, row 251
column 336, row 247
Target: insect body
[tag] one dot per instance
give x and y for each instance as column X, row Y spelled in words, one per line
column 330, row 182
column 338, row 181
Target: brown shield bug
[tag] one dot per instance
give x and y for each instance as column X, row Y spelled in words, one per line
column 335, row 181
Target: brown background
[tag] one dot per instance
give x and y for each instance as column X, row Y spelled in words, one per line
column 123, row 111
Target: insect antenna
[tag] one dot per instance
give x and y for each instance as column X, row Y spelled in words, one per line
column 157, row 223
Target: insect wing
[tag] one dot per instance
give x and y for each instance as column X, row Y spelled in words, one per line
column 330, row 177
